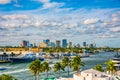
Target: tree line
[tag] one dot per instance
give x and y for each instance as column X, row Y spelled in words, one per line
column 37, row 67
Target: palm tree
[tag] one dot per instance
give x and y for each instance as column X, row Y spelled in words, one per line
column 12, row 54
column 66, row 63
column 110, row 67
column 46, row 67
column 5, row 56
column 36, row 67
column 98, row 67
column 76, row 63
column 7, row 77
column 57, row 67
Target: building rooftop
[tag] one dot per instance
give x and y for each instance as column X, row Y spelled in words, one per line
column 92, row 71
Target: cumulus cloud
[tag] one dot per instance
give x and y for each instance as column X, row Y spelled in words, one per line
column 47, row 4
column 5, row 1
column 14, row 17
column 116, row 19
column 52, row 5
column 44, row 1
column 115, row 29
column 53, row 25
column 91, row 21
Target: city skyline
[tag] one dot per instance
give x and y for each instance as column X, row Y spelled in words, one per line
column 35, row 20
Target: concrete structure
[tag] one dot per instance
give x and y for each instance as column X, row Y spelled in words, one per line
column 70, row 44
column 47, row 41
column 64, row 43
column 43, row 45
column 84, row 44
column 52, row 44
column 57, row 43
column 25, row 43
column 92, row 74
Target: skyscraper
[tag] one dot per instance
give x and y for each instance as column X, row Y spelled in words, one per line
column 25, row 43
column 70, row 44
column 57, row 43
column 64, row 43
column 84, row 44
column 47, row 41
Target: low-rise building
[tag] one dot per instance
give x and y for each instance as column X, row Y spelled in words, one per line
column 92, row 74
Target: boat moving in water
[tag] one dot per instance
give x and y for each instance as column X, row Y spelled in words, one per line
column 29, row 57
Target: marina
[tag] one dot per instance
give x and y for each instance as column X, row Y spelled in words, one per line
column 21, row 70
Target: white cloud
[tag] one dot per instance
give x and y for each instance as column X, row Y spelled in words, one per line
column 44, row 1
column 69, row 24
column 91, row 21
column 52, row 5
column 14, row 17
column 116, row 19
column 5, row 1
column 115, row 29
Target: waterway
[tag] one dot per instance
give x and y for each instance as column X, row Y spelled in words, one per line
column 22, row 72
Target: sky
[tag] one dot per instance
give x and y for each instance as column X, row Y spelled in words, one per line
column 92, row 21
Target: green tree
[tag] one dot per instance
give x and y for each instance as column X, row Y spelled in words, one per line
column 98, row 67
column 57, row 67
column 110, row 67
column 46, row 67
column 12, row 54
column 5, row 56
column 36, row 67
column 66, row 63
column 76, row 63
column 7, row 77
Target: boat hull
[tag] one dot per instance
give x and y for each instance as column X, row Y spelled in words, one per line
column 24, row 60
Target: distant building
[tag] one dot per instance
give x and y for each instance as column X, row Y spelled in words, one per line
column 70, row 44
column 46, row 41
column 52, row 44
column 78, row 45
column 43, row 45
column 64, row 43
column 57, row 43
column 25, row 43
column 84, row 44
column 31, row 45
column 34, row 45
column 91, row 46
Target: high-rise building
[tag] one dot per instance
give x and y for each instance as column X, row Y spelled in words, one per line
column 84, row 44
column 91, row 45
column 25, row 43
column 70, row 44
column 57, row 43
column 47, row 41
column 64, row 43
column 52, row 44
column 31, row 45
column 78, row 45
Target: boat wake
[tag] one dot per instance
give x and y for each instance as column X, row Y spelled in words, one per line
column 16, row 71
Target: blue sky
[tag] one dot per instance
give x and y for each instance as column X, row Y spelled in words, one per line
column 93, row 21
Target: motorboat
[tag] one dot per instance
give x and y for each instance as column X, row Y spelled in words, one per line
column 116, row 61
column 29, row 57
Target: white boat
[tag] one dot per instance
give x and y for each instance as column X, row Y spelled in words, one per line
column 3, row 68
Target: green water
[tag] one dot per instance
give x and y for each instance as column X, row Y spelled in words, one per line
column 21, row 71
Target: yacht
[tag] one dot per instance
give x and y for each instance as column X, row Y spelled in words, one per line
column 116, row 60
column 29, row 57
